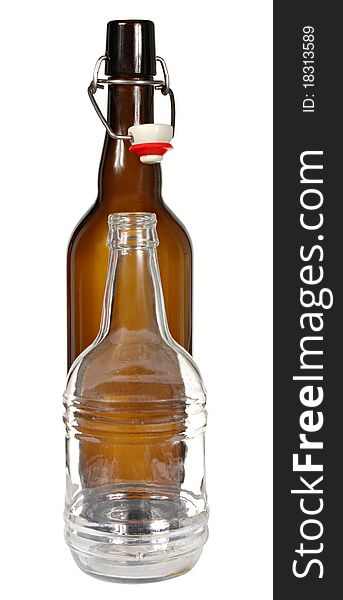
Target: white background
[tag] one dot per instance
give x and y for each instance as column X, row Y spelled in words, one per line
column 218, row 180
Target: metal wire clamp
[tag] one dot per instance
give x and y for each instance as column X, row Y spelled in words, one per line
column 97, row 83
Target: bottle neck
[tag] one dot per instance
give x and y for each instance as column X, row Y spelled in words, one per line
column 133, row 301
column 121, row 174
column 133, row 298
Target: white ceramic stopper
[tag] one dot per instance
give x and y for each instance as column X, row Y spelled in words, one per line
column 151, row 133
column 151, row 159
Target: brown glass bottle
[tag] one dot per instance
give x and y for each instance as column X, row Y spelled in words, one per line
column 126, row 185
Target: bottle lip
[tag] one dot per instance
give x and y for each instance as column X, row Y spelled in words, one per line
column 132, row 231
column 132, row 220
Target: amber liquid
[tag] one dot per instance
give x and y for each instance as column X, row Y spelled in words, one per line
column 126, row 185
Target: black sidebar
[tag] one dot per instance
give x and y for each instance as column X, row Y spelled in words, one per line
column 308, row 287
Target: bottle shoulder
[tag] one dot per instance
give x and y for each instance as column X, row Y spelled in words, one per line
column 127, row 364
column 92, row 227
column 172, row 217
column 83, row 225
column 170, row 228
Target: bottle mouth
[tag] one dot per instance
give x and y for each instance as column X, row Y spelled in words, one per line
column 132, row 231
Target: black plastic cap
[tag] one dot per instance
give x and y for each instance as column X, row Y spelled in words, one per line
column 130, row 49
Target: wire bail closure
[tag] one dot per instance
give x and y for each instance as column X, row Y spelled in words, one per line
column 97, row 83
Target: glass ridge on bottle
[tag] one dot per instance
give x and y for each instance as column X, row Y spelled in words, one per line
column 136, row 507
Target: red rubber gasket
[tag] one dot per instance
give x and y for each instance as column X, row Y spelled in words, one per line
column 158, row 148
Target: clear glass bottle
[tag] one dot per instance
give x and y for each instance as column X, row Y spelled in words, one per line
column 136, row 507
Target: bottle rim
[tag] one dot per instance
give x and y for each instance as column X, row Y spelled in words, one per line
column 132, row 219
column 129, row 231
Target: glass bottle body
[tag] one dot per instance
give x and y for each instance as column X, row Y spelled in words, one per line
column 136, row 506
column 126, row 185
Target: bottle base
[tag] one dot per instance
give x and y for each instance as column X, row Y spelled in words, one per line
column 119, row 538
column 104, row 568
